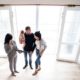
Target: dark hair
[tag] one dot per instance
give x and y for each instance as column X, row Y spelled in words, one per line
column 22, row 31
column 27, row 28
column 8, row 37
column 38, row 34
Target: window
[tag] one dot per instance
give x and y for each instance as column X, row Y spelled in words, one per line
column 49, row 25
column 5, row 27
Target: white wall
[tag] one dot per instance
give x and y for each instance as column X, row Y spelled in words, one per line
column 55, row 2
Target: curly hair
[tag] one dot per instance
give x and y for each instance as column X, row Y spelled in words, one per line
column 8, row 37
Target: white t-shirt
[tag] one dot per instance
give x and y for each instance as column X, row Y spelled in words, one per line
column 40, row 44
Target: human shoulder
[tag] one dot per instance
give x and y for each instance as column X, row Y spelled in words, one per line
column 32, row 34
column 43, row 42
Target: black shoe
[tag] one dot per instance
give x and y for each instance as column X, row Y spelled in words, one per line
column 24, row 66
column 16, row 71
column 13, row 74
column 31, row 67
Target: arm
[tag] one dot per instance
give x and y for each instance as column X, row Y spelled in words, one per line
column 44, row 46
column 15, row 47
column 34, row 45
column 42, row 51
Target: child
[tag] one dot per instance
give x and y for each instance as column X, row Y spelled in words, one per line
column 11, row 50
column 40, row 48
column 21, row 37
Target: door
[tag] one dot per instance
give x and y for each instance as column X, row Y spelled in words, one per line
column 68, row 49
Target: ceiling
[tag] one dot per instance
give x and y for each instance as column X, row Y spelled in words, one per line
column 41, row 2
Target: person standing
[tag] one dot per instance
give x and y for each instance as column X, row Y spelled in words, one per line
column 11, row 50
column 40, row 48
column 29, row 46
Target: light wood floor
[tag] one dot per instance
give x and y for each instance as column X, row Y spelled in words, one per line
column 51, row 70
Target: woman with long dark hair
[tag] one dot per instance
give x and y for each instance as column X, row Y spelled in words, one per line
column 11, row 48
column 40, row 48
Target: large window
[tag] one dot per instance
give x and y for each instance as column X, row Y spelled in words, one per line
column 49, row 24
column 46, row 19
column 23, row 16
column 5, row 27
column 50, row 21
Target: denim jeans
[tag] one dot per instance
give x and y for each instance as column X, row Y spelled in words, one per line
column 37, row 62
column 26, row 58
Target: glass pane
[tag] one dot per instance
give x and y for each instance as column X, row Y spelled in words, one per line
column 71, row 32
column 49, row 25
column 68, row 52
column 49, row 14
column 25, row 16
column 5, row 27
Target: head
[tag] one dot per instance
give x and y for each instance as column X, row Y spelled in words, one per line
column 28, row 30
column 22, row 32
column 37, row 35
column 8, row 38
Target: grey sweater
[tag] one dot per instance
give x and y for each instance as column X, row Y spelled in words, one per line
column 11, row 52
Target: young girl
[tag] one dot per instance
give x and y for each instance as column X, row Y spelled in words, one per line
column 11, row 50
column 21, row 37
column 40, row 48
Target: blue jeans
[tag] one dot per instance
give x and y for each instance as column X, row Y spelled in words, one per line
column 37, row 62
column 30, row 58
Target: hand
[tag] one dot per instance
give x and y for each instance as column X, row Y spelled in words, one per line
column 42, row 51
column 31, row 52
column 20, row 51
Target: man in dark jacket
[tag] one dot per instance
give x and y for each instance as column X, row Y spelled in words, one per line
column 29, row 46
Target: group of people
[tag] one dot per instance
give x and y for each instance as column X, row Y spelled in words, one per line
column 30, row 42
